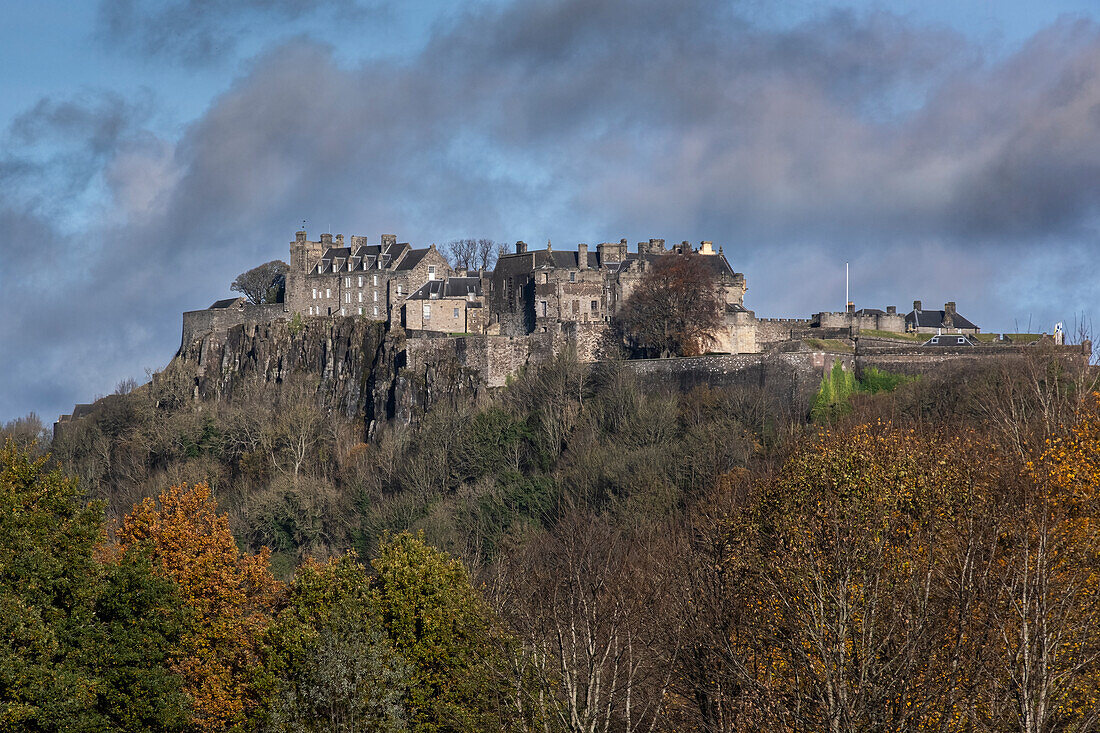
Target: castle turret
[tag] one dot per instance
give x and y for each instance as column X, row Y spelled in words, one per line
column 582, row 256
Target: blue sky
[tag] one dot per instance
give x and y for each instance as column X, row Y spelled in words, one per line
column 152, row 150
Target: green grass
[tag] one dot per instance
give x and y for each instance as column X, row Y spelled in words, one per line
column 1018, row 338
column 830, row 345
column 912, row 337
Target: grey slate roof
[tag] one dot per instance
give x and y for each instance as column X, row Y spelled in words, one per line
column 412, row 259
column 949, row 339
column 226, row 303
column 934, row 319
column 452, row 287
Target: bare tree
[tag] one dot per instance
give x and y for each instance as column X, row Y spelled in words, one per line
column 487, row 253
column 461, row 252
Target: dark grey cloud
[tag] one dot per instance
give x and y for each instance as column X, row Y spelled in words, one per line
column 939, row 170
column 199, row 32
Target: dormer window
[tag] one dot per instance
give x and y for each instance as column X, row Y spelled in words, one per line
column 399, row 290
column 431, row 272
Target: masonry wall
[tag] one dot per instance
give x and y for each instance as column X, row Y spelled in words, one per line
column 199, row 323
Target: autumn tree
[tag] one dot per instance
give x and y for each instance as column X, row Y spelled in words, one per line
column 230, row 595
column 264, row 283
column 675, row 309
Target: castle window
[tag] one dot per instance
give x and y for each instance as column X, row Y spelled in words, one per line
column 375, row 311
column 595, row 305
column 456, row 314
column 576, row 306
column 572, row 277
column 360, row 296
column 360, row 310
column 427, row 312
column 315, row 293
column 542, row 308
column 375, row 281
column 328, row 292
column 360, row 281
column 341, row 311
column 431, row 272
column 347, row 282
column 375, row 296
column 398, row 290
column 347, row 297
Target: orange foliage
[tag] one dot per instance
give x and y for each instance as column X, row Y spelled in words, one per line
column 231, row 595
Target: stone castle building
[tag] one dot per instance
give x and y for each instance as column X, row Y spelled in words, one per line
column 327, row 278
column 557, row 295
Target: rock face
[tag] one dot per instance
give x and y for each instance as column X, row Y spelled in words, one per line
column 360, row 365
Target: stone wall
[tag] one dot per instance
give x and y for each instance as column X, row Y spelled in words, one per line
column 772, row 330
column 199, row 323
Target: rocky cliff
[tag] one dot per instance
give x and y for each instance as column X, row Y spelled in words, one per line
column 360, row 366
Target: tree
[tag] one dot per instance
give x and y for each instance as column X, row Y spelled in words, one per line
column 265, row 283
column 437, row 623
column 230, row 594
column 471, row 254
column 338, row 670
column 84, row 645
column 675, row 310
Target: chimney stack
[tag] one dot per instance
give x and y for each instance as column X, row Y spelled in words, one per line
column 891, row 310
column 340, row 240
column 707, row 248
column 326, row 239
column 916, row 305
column 851, row 307
column 521, row 247
column 390, row 239
column 582, row 256
column 300, row 236
column 949, row 307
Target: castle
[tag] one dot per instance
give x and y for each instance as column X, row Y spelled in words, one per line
column 571, row 293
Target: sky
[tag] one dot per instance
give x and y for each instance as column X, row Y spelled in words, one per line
column 150, row 151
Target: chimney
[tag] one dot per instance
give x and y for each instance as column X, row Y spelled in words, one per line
column 916, row 305
column 326, row 239
column 707, row 248
column 891, row 310
column 521, row 247
column 949, row 315
column 548, row 247
column 358, row 241
column 656, row 245
column 340, row 240
column 390, row 239
column 582, row 256
column 300, row 236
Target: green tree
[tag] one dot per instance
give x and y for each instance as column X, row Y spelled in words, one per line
column 83, row 644
column 264, row 283
column 337, row 668
column 437, row 623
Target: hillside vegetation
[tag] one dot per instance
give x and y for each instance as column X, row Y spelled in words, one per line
column 573, row 553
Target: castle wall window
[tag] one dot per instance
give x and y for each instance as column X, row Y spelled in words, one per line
column 341, row 311
column 360, row 296
column 572, row 277
column 360, row 281
column 595, row 305
column 431, row 272
column 456, row 313
column 347, row 297
column 375, row 296
column 347, row 282
column 375, row 311
column 542, row 308
column 399, row 290
column 375, row 281
column 328, row 292
column 315, row 293
column 427, row 312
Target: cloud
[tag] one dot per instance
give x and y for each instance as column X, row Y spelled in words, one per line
column 201, row 32
column 940, row 170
